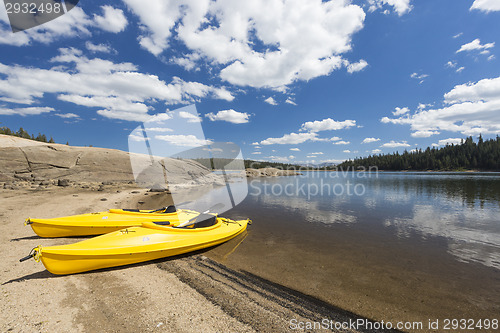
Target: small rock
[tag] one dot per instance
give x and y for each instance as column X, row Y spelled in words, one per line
column 101, row 188
column 63, row 182
column 135, row 192
column 75, row 195
column 141, row 202
column 45, row 182
column 158, row 188
column 104, row 199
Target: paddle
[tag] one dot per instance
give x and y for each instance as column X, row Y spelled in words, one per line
column 193, row 220
column 164, row 208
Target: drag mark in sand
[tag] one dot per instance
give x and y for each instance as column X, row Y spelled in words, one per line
column 252, row 300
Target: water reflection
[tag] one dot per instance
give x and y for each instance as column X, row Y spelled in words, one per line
column 463, row 209
column 310, row 211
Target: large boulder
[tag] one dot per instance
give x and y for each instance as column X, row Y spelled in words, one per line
column 37, row 161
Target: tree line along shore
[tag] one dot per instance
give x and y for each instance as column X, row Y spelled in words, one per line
column 483, row 155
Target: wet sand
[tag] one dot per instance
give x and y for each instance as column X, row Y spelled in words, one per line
column 184, row 294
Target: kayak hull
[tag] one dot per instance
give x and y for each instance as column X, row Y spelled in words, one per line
column 101, row 223
column 52, row 231
column 134, row 245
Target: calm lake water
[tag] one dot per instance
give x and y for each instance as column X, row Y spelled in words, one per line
column 390, row 246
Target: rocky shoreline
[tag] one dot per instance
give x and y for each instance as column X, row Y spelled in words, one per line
column 27, row 164
column 270, row 172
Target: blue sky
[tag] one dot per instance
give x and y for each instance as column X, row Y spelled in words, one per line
column 291, row 81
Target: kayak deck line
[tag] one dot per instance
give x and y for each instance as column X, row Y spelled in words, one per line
column 103, row 222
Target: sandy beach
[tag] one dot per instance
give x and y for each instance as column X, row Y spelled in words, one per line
column 187, row 294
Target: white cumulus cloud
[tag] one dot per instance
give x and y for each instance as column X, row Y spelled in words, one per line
column 450, row 141
column 67, row 115
column 400, row 111
column 191, row 118
column 159, row 129
column 183, row 140
column 118, row 90
column 292, row 138
column 423, row 134
column 29, row 111
column 401, row 7
column 230, row 115
column 327, row 124
column 486, row 5
column 271, row 100
column 475, row 45
column 420, row 77
column 451, row 64
column 72, row 24
column 394, row 144
column 99, row 48
column 470, row 109
column 302, row 39
column 370, row 140
column 281, row 159
column 357, row 66
column 113, row 19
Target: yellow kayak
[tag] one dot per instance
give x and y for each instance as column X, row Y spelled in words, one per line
column 104, row 222
column 137, row 244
